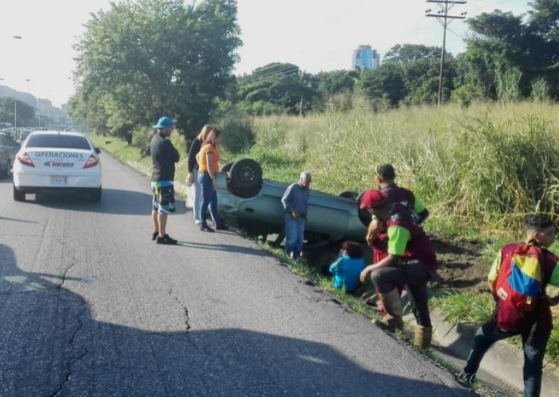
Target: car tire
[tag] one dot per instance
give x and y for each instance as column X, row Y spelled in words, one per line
column 364, row 215
column 349, row 194
column 227, row 167
column 245, row 178
column 18, row 194
column 96, row 195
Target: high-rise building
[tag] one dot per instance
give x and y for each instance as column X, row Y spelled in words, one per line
column 364, row 57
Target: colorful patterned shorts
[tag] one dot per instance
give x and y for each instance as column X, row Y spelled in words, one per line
column 163, row 197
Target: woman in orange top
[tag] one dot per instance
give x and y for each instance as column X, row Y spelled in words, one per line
column 208, row 159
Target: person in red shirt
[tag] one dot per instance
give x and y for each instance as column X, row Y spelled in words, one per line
column 376, row 238
column 384, row 180
column 410, row 261
column 507, row 321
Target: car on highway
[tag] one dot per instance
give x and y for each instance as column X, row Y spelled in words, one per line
column 23, row 136
column 8, row 150
column 249, row 202
column 57, row 162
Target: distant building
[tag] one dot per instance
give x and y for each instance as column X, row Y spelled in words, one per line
column 364, row 57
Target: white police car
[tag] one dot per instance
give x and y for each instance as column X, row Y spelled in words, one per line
column 59, row 162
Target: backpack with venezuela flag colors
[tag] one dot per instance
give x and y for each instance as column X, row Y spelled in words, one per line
column 520, row 280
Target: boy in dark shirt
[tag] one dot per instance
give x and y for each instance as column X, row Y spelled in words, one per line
column 164, row 156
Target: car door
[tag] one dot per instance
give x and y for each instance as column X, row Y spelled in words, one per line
column 13, row 148
column 4, row 150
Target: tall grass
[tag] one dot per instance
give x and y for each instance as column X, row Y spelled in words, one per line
column 482, row 167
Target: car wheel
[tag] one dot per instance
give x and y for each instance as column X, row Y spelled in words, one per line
column 18, row 195
column 227, row 167
column 364, row 215
column 96, row 195
column 245, row 177
column 349, row 194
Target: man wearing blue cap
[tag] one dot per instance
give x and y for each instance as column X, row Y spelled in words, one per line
column 164, row 156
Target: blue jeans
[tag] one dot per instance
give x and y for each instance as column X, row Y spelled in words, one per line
column 294, row 235
column 534, row 352
column 209, row 199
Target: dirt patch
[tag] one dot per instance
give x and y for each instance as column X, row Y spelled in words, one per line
column 461, row 265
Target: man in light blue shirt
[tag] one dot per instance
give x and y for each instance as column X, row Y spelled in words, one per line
column 294, row 202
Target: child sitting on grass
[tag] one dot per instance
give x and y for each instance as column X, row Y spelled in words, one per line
column 348, row 267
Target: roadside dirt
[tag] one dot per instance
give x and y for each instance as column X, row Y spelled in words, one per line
column 461, row 265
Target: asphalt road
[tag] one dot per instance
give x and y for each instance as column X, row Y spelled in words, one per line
column 90, row 306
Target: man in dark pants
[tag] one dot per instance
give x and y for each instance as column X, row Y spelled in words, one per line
column 410, row 261
column 509, row 320
column 164, row 156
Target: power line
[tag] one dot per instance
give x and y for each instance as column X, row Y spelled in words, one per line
column 445, row 20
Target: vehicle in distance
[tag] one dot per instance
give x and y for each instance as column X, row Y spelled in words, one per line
column 57, row 162
column 23, row 135
column 8, row 150
column 248, row 202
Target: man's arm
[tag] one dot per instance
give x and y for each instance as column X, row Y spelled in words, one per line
column 374, row 229
column 286, row 199
column 494, row 272
column 398, row 238
column 171, row 153
column 420, row 210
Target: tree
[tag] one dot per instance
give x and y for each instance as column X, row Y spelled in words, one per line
column 410, row 53
column 25, row 113
column 335, row 82
column 276, row 88
column 386, row 82
column 507, row 57
column 150, row 58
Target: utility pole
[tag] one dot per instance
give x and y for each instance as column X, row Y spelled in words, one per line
column 445, row 20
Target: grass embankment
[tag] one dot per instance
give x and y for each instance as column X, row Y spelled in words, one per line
column 479, row 170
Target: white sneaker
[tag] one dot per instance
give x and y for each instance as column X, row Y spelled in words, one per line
column 197, row 221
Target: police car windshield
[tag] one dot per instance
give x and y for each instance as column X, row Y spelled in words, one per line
column 58, row 141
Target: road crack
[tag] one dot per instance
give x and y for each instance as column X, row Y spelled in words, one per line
column 81, row 352
column 183, row 306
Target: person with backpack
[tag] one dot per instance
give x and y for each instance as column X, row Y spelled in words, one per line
column 518, row 280
column 410, row 260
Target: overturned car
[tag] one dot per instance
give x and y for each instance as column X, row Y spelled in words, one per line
column 249, row 202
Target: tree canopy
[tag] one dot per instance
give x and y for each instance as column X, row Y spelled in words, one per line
column 141, row 60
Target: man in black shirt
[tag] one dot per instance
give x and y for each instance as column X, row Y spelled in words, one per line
column 164, row 156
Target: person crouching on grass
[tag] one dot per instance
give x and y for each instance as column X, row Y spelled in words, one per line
column 411, row 261
column 509, row 320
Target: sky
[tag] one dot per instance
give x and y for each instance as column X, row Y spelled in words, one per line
column 315, row 35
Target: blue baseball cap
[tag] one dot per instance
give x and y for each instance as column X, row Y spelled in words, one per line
column 164, row 122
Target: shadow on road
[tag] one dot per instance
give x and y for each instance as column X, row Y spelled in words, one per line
column 114, row 201
column 50, row 345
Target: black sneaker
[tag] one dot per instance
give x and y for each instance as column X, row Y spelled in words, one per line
column 206, row 229
column 165, row 240
column 221, row 227
column 154, row 235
